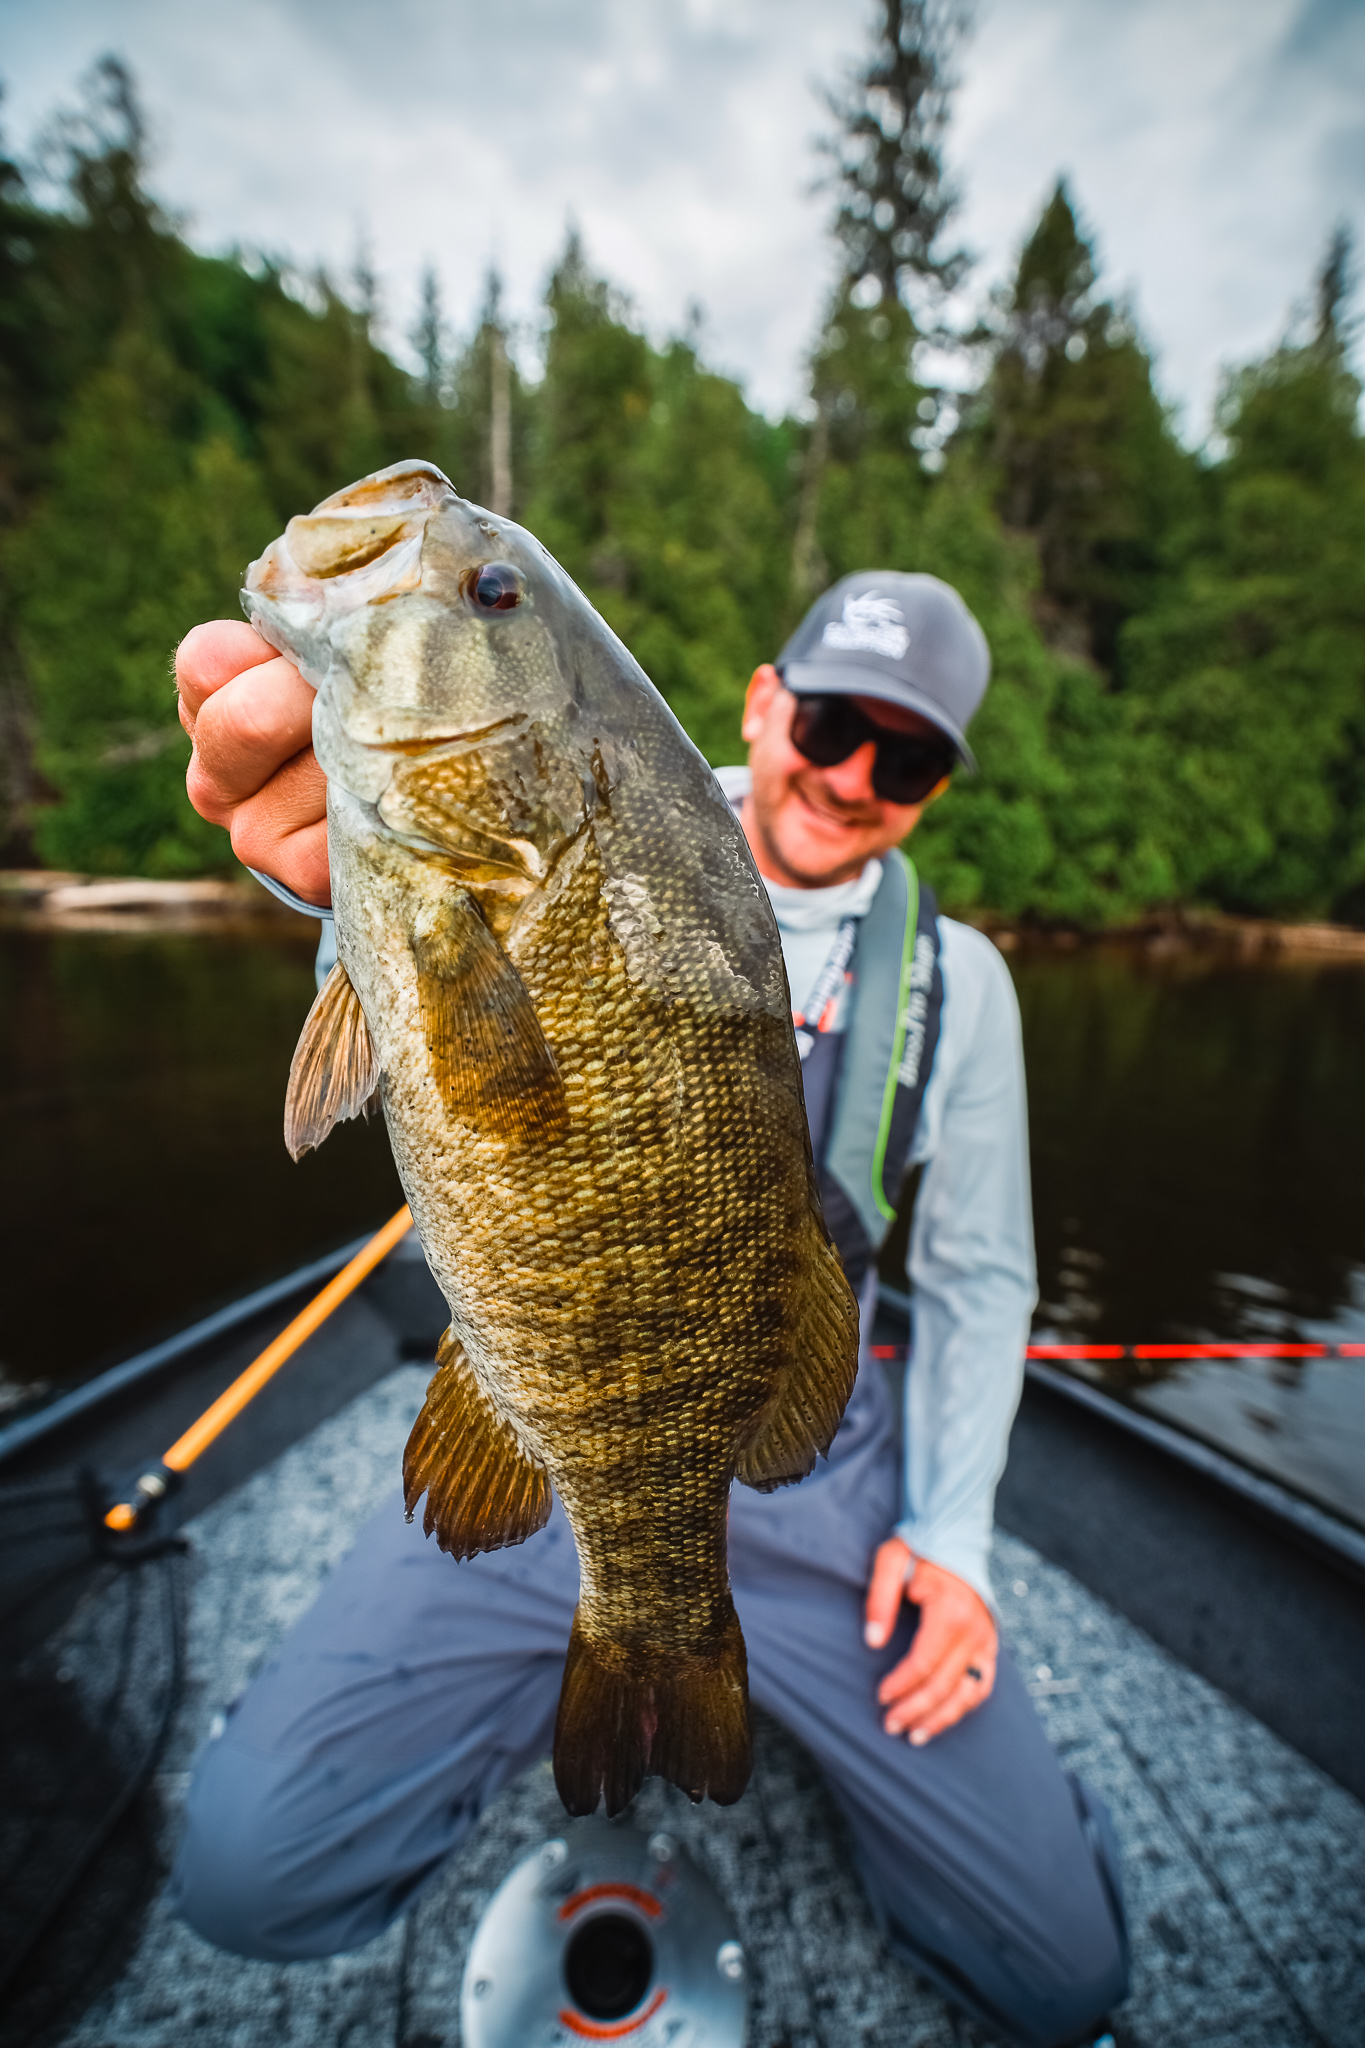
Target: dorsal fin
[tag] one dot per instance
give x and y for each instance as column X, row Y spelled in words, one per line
column 335, row 1072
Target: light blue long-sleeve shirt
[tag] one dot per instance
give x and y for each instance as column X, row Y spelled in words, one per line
column 971, row 1263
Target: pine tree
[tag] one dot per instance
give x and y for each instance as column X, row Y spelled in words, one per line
column 491, row 419
column 662, row 495
column 150, row 518
column 331, row 405
column 872, row 486
column 888, row 154
column 428, row 338
column 894, row 203
column 1084, row 458
column 1248, row 680
column 594, row 407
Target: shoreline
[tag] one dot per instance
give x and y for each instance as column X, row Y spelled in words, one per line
column 1171, row 934
column 61, row 901
column 52, row 900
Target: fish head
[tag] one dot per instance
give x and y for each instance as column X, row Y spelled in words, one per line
column 440, row 640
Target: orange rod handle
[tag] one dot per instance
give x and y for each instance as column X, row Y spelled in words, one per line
column 233, row 1399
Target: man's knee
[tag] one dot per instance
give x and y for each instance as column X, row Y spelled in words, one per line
column 1031, row 2000
column 236, row 1877
column 1042, row 1964
column 1094, row 1948
column 1079, row 1970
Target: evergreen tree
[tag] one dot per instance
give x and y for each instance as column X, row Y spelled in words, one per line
column 1084, row 459
column 332, row 405
column 659, row 491
column 594, row 408
column 150, row 518
column 428, row 339
column 872, row 488
column 888, row 154
column 702, row 547
column 1248, row 681
column 894, row 203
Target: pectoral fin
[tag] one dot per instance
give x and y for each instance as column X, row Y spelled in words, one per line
column 335, row 1072
column 487, row 1048
column 808, row 1405
column 483, row 1491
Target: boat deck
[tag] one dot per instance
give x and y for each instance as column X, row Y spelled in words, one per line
column 1245, row 1862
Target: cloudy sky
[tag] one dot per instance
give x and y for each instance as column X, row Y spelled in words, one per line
column 1210, row 143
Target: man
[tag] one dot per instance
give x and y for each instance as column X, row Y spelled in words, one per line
column 354, row 1766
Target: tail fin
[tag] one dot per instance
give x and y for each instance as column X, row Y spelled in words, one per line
column 621, row 1720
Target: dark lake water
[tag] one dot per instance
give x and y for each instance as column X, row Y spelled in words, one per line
column 1198, row 1139
column 1197, row 1163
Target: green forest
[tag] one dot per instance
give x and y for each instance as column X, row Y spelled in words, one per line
column 1177, row 718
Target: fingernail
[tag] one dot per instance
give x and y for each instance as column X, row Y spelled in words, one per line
column 919, row 1738
column 874, row 1635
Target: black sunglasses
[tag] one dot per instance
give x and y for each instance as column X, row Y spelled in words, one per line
column 827, row 729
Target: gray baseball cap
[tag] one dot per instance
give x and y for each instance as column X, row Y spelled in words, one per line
column 909, row 639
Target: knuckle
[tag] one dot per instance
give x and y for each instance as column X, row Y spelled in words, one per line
column 250, row 842
column 204, row 793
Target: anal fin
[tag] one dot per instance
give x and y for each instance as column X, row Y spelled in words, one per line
column 483, row 1491
column 490, row 1056
column 334, row 1074
column 799, row 1423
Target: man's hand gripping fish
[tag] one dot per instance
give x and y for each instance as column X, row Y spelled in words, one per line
column 559, row 972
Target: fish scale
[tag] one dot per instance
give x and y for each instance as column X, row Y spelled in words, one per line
column 554, row 949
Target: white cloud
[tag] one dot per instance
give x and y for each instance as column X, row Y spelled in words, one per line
column 1204, row 142
column 1211, row 143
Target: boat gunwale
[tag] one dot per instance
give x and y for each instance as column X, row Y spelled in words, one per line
column 85, row 1400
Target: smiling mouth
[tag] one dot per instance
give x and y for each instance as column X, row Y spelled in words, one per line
column 829, row 814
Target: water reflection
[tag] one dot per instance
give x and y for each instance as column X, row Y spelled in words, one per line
column 144, row 1174
column 1198, row 1175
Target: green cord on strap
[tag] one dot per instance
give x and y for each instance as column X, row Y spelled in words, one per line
column 898, row 1040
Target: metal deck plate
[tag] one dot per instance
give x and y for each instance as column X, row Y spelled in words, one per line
column 604, row 1934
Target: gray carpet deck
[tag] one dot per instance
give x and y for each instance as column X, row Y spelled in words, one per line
column 1245, row 1865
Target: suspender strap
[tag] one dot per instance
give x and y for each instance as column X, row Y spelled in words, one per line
column 919, row 1012
column 864, row 1142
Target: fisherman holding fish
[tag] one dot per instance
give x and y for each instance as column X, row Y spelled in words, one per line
column 354, row 1766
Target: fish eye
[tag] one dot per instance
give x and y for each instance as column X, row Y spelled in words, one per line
column 496, row 587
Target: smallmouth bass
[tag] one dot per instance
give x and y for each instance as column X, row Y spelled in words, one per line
column 559, row 972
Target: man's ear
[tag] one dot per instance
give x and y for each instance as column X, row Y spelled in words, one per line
column 764, row 685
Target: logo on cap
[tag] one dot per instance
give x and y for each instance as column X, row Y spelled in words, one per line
column 871, row 624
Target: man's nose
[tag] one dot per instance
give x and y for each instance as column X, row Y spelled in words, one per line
column 851, row 780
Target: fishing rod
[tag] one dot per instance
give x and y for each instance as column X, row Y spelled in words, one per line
column 153, row 1485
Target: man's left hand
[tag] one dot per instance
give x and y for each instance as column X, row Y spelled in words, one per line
column 950, row 1666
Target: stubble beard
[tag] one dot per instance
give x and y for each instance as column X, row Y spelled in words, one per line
column 778, row 858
